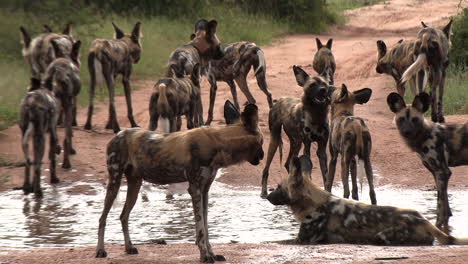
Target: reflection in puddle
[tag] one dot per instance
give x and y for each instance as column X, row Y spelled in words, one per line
column 235, row 215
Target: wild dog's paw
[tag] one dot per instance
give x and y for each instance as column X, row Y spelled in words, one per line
column 38, row 193
column 54, row 180
column 27, row 189
column 87, row 126
column 101, row 253
column 72, row 151
column 220, row 258
column 58, row 149
column 132, row 250
column 66, row 164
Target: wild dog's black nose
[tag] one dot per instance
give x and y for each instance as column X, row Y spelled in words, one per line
column 378, row 70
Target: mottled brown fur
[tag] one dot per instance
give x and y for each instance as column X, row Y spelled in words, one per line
column 324, row 61
column 438, row 146
column 106, row 60
column 325, row 218
column 350, row 137
column 303, row 119
column 193, row 155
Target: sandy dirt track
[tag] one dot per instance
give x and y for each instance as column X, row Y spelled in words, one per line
column 355, row 52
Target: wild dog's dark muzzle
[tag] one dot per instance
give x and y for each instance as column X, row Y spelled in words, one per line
column 278, row 197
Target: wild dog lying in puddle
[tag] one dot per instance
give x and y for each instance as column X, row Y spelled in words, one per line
column 326, row 218
column 194, row 155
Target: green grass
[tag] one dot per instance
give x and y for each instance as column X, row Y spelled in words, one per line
column 342, row 5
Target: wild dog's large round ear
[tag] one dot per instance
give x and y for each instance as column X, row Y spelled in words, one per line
column 136, row 32
column 343, row 94
column 400, row 41
column 421, row 102
column 381, row 48
column 47, row 29
column 362, row 96
column 68, row 29
column 423, row 24
column 329, row 43
column 118, row 32
column 57, row 51
column 250, row 117
column 319, row 43
column 35, row 84
column 212, row 26
column 231, row 114
column 395, row 102
column 301, row 75
column 75, row 52
column 192, row 36
column 447, row 29
column 26, row 37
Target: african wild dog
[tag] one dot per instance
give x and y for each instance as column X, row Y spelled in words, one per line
column 396, row 61
column 326, row 218
column 38, row 116
column 432, row 56
column 438, row 146
column 238, row 59
column 193, row 155
column 106, row 60
column 63, row 78
column 39, row 53
column 303, row 119
column 172, row 98
column 203, row 47
column 324, row 61
column 349, row 136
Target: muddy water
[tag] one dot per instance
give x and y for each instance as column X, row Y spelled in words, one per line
column 235, row 215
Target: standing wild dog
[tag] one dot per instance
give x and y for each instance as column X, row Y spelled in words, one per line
column 438, row 146
column 326, row 218
column 349, row 136
column 203, row 46
column 238, row 59
column 38, row 116
column 39, row 53
column 106, row 60
column 432, row 56
column 193, row 155
column 324, row 61
column 63, row 77
column 174, row 97
column 396, row 61
column 303, row 119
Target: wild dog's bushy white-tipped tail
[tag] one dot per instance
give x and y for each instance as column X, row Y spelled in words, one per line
column 261, row 61
column 445, row 239
column 98, row 73
column 163, row 108
column 419, row 64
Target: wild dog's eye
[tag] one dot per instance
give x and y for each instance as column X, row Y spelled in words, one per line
column 414, row 120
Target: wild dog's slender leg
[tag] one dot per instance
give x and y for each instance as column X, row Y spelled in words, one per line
column 54, row 149
column 261, row 81
column 73, row 117
column 134, row 184
column 68, row 133
column 434, row 103
column 179, row 122
column 233, row 88
column 74, row 123
column 153, row 125
column 294, row 148
column 241, row 81
column 213, row 89
column 331, row 168
column 27, row 188
column 112, row 123
column 197, row 202
column 443, row 207
column 39, row 147
column 440, row 113
column 306, row 150
column 345, row 160
column 113, row 185
column 420, row 81
column 128, row 99
column 272, row 147
column 353, row 170
column 173, row 123
column 92, row 88
column 370, row 179
column 322, row 155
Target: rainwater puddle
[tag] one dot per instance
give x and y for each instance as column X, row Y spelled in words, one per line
column 235, row 215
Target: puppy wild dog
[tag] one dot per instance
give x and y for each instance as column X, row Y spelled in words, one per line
column 63, row 78
column 174, row 97
column 324, row 61
column 438, row 146
column 303, row 119
column 326, row 218
column 38, row 116
column 39, row 53
column 238, row 59
column 193, row 155
column 203, row 46
column 432, row 55
column 396, row 61
column 106, row 60
column 350, row 137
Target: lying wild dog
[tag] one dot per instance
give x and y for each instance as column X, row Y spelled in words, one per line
column 238, row 59
column 39, row 53
column 326, row 218
column 438, row 146
column 193, row 155
column 203, row 46
column 350, row 137
column 396, row 61
column 324, row 61
column 106, row 60
column 63, row 78
column 432, row 56
column 174, row 97
column 38, row 116
column 303, row 119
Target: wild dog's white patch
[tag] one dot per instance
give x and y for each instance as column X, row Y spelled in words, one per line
column 339, row 207
column 165, row 125
column 349, row 220
column 155, row 136
column 110, row 155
